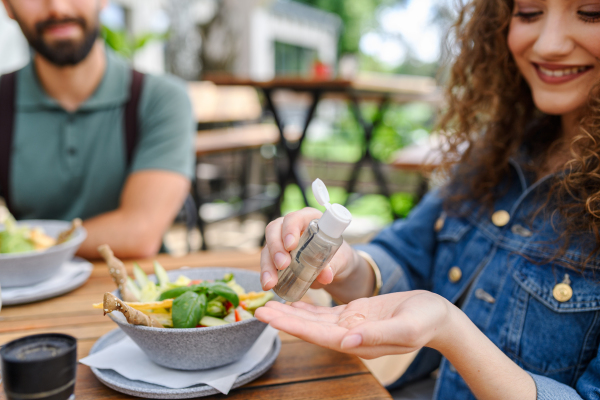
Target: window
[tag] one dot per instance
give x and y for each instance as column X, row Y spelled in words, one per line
column 293, row 60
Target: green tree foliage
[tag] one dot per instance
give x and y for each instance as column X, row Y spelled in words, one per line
column 358, row 16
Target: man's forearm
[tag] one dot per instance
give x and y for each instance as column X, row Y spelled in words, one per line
column 149, row 203
column 128, row 236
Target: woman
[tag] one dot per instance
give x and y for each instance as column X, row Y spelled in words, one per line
column 497, row 271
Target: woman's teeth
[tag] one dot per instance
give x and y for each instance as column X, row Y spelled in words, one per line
column 562, row 72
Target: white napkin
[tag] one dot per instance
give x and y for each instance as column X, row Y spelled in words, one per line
column 67, row 272
column 126, row 358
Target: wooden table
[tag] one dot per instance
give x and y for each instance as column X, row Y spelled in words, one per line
column 302, row 370
column 381, row 88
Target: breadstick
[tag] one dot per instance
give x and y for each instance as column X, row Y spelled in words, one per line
column 117, row 271
column 66, row 235
column 153, row 305
column 134, row 317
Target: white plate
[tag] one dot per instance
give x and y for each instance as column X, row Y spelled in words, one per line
column 71, row 275
column 118, row 382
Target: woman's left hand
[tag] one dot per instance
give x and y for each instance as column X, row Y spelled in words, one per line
column 395, row 323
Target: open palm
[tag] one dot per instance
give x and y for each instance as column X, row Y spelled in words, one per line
column 395, row 323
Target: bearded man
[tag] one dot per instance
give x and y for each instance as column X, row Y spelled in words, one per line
column 83, row 135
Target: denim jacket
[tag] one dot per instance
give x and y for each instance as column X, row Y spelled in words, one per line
column 503, row 288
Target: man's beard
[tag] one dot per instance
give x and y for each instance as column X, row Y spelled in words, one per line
column 62, row 52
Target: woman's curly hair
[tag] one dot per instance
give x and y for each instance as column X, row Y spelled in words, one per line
column 490, row 115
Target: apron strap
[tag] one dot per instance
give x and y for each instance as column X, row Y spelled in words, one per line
column 7, row 121
column 131, row 115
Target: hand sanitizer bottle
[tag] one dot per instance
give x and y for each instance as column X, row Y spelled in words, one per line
column 316, row 248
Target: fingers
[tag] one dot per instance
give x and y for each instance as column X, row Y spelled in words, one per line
column 338, row 264
column 294, row 224
column 326, row 276
column 317, row 309
column 390, row 332
column 325, row 334
column 282, row 235
column 328, row 317
column 268, row 272
column 319, row 333
column 279, row 255
column 266, row 314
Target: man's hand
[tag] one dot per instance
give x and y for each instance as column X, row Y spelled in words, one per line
column 149, row 202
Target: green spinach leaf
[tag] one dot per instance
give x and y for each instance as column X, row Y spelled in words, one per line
column 226, row 292
column 188, row 309
column 175, row 292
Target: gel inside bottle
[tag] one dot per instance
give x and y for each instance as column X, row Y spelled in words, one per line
column 316, row 248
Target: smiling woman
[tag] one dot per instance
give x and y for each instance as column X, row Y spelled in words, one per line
column 498, row 270
column 539, row 87
column 550, row 42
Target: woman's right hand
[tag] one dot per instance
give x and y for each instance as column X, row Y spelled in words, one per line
column 282, row 236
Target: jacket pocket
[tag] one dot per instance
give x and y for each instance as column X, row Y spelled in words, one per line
column 549, row 337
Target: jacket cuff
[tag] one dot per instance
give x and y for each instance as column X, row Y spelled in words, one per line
column 549, row 389
column 393, row 276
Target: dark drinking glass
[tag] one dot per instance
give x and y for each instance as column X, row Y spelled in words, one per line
column 40, row 367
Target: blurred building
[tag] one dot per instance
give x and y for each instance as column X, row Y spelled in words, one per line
column 14, row 52
column 283, row 37
column 253, row 38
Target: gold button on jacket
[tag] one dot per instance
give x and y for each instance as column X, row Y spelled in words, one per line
column 500, row 218
column 562, row 292
column 454, row 274
column 439, row 224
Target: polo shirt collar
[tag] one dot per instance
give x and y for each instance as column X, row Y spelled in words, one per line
column 112, row 90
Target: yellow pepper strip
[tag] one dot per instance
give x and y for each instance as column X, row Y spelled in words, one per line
column 153, row 305
column 164, row 318
column 251, row 295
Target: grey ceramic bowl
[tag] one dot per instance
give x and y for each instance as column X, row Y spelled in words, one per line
column 199, row 348
column 25, row 269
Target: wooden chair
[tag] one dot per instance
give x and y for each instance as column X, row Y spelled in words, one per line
column 230, row 120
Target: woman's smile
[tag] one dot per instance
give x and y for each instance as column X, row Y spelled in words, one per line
column 553, row 43
column 558, row 74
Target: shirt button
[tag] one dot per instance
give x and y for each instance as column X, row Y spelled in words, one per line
column 562, row 292
column 485, row 296
column 439, row 224
column 521, row 231
column 72, row 151
column 454, row 274
column 500, row 218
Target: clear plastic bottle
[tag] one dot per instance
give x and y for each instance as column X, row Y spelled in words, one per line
column 318, row 244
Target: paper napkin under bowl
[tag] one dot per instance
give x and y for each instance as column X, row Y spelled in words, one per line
column 126, row 358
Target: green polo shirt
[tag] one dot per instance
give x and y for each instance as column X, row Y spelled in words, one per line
column 73, row 164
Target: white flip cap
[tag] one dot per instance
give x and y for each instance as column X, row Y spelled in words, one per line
column 336, row 218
